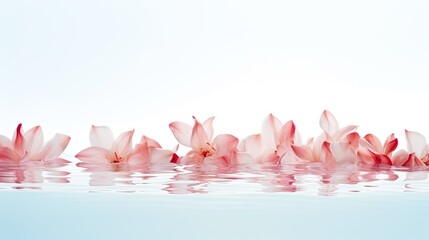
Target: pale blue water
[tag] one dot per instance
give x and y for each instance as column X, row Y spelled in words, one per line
column 212, row 202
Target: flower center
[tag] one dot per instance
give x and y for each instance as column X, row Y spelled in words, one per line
column 207, row 151
column 117, row 158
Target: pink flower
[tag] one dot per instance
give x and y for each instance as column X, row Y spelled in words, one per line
column 150, row 151
column 418, row 151
column 273, row 145
column 372, row 152
column 29, row 146
column 105, row 149
column 204, row 148
column 334, row 145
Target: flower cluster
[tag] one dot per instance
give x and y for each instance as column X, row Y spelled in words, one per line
column 277, row 143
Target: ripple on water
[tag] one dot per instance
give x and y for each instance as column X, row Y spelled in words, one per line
column 317, row 179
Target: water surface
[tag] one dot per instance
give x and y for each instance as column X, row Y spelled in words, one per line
column 64, row 201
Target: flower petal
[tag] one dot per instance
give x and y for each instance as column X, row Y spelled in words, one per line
column 317, row 146
column 341, row 133
column 390, row 145
column 303, row 152
column 271, row 131
column 241, row 158
column 252, row 145
column 101, row 136
column 352, row 139
column 8, row 154
column 375, row 142
column 5, row 141
column 55, row 147
column 367, row 157
column 141, row 154
column 287, row 133
column 328, row 123
column 150, row 142
column 224, row 144
column 34, row 141
column 208, row 127
column 269, row 158
column 413, row 161
column 159, row 155
column 95, row 155
column 416, row 143
column 400, row 157
column 18, row 141
column 343, row 152
column 123, row 144
column 326, row 155
column 182, row 132
column 199, row 136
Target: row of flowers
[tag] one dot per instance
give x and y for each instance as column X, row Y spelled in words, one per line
column 276, row 144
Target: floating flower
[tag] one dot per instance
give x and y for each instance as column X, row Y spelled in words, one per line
column 334, row 145
column 29, row 146
column 418, row 151
column 105, row 149
column 150, row 151
column 273, row 144
column 372, row 152
column 204, row 148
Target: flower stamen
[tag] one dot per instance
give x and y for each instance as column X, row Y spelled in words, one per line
column 117, row 158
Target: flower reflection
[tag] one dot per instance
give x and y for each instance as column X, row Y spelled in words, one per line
column 111, row 174
column 34, row 172
column 319, row 178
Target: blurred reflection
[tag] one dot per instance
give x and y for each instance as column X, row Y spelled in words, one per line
column 211, row 178
column 111, row 174
column 36, row 172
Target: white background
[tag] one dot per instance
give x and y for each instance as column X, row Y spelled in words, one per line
column 142, row 64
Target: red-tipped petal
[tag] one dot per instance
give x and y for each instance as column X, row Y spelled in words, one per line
column 101, row 136
column 182, row 132
column 224, row 144
column 55, row 147
column 384, row 159
column 19, row 140
column 374, row 141
column 328, row 123
column 199, row 137
column 341, row 133
column 326, row 154
column 390, row 146
column 303, row 152
column 413, row 161
column 208, row 127
column 287, row 133
column 352, row 139
column 271, row 131
column 416, row 143
column 367, row 157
